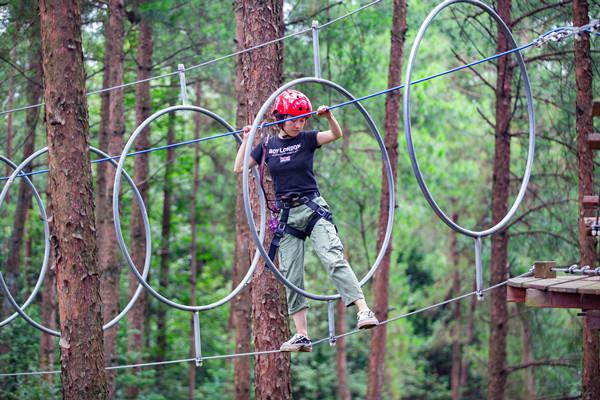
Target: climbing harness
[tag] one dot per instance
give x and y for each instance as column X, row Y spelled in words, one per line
column 280, row 211
column 285, row 205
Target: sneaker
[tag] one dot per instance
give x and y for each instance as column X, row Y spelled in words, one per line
column 297, row 343
column 366, row 320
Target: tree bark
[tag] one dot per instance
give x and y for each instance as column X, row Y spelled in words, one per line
column 341, row 361
column 141, row 170
column 500, row 193
column 528, row 357
column 262, row 72
column 70, row 186
column 585, row 161
column 9, row 118
column 48, row 309
column 376, row 372
column 241, row 305
column 109, row 261
column 194, row 246
column 165, row 254
column 456, row 316
column 24, row 196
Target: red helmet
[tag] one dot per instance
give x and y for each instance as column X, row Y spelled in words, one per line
column 292, row 102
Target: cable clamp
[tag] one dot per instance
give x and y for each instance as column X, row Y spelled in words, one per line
column 555, row 36
column 585, row 269
column 590, row 27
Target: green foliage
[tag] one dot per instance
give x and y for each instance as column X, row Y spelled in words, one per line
column 453, row 132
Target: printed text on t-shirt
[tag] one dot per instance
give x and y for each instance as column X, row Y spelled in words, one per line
column 282, row 151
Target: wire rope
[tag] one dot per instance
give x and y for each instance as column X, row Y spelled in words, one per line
column 205, row 63
column 255, row 353
column 546, row 37
column 148, row 253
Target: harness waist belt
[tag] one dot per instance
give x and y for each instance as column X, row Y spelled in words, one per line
column 283, row 227
column 295, row 200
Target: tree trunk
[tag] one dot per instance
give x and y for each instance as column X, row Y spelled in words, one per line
column 456, row 336
column 194, row 246
column 241, row 305
column 381, row 282
column 48, row 309
column 529, row 392
column 262, row 72
column 70, row 187
column 109, row 261
column 161, row 312
column 9, row 118
column 34, row 93
column 141, row 168
column 341, row 352
column 500, row 192
column 585, row 161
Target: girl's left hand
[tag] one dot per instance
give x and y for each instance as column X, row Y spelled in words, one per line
column 323, row 111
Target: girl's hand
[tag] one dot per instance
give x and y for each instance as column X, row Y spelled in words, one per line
column 323, row 111
column 246, row 130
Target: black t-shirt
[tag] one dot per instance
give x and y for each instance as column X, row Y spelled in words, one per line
column 290, row 163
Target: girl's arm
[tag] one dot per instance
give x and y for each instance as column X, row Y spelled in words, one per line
column 334, row 132
column 239, row 158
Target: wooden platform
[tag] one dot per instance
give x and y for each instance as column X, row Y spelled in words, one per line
column 590, row 202
column 594, row 141
column 572, row 291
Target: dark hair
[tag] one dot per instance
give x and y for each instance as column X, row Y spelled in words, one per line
column 278, row 116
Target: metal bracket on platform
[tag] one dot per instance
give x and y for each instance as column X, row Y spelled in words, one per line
column 331, row 321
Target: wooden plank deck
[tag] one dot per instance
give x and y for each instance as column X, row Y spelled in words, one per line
column 571, row 291
column 590, row 202
column 594, row 141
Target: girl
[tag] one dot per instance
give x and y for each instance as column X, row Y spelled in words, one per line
column 304, row 213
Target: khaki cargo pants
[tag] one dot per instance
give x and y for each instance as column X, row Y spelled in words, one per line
column 329, row 249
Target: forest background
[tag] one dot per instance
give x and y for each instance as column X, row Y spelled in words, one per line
column 453, row 128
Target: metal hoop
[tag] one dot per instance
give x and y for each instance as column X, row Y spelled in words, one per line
column 120, row 240
column 130, row 262
column 44, row 219
column 388, row 169
column 407, row 125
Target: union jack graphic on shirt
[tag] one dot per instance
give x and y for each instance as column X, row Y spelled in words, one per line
column 284, row 159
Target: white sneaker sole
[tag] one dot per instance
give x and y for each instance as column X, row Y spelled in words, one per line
column 302, row 349
column 368, row 324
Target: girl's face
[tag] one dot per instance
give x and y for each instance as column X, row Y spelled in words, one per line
column 294, row 127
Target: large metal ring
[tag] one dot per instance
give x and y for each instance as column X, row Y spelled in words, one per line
column 386, row 162
column 117, row 217
column 407, row 126
column 148, row 244
column 44, row 219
